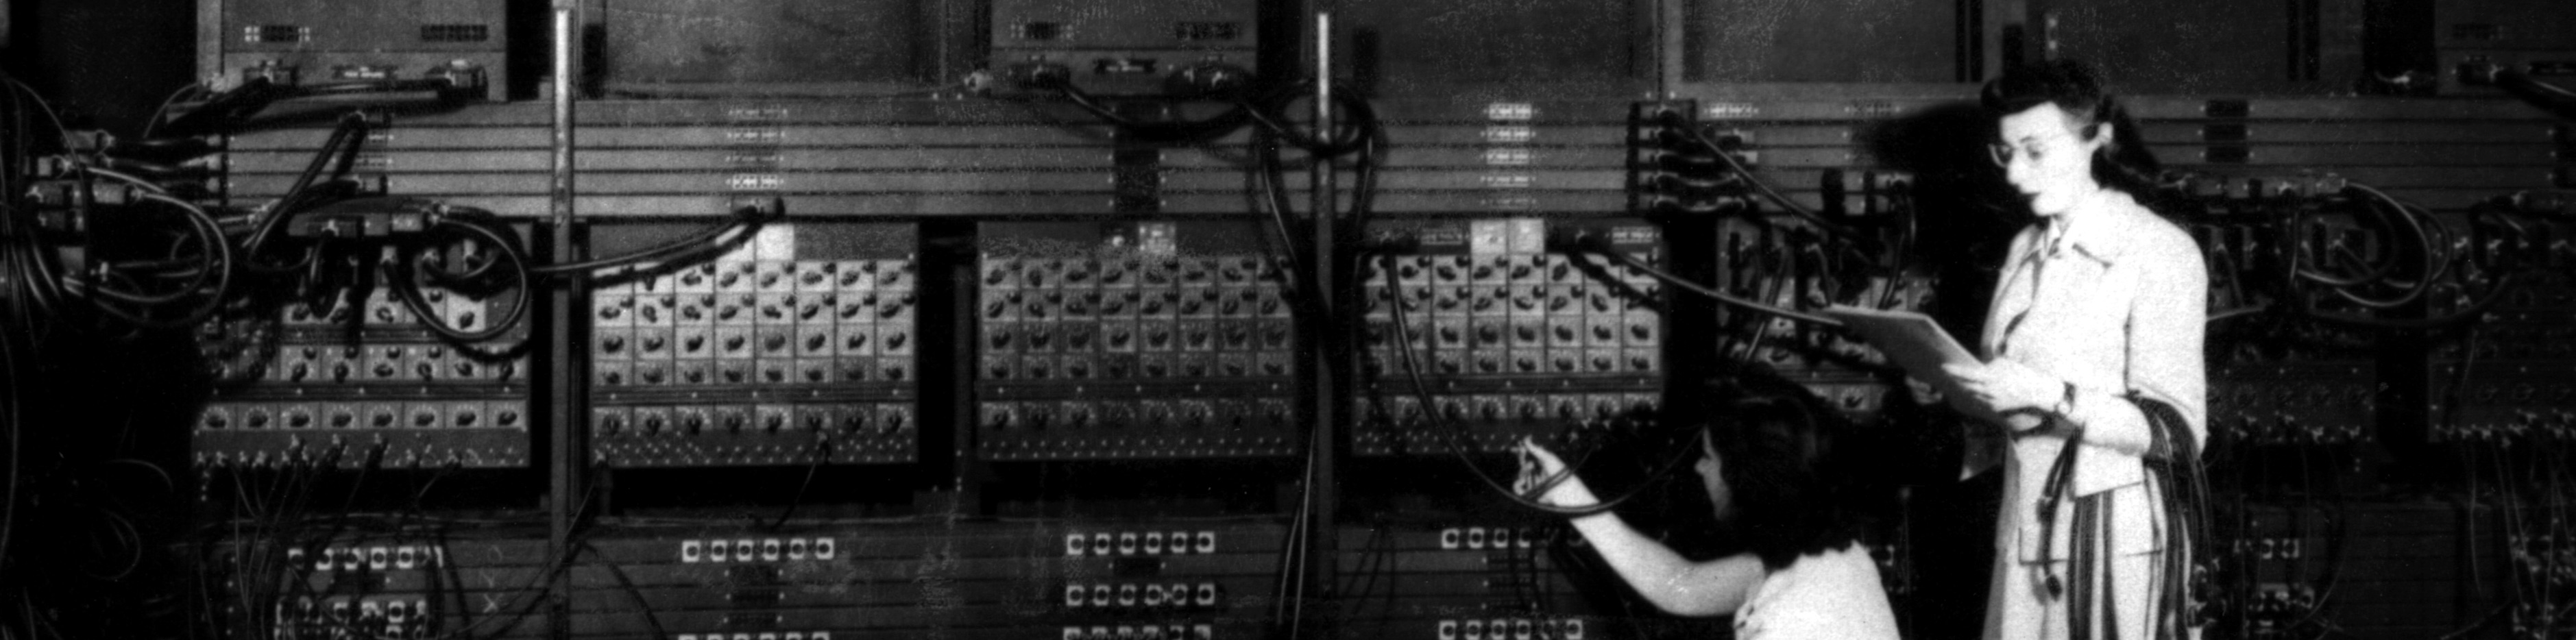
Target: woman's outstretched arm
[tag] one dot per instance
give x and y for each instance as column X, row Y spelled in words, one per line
column 1673, row 583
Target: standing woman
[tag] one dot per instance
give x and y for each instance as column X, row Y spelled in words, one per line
column 2093, row 349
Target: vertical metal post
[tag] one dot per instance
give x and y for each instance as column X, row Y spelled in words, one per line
column 210, row 43
column 1672, row 46
column 1331, row 390
column 569, row 380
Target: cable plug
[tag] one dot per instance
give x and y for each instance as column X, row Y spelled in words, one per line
column 462, row 77
column 365, row 218
column 761, row 209
column 1210, row 78
column 1573, row 239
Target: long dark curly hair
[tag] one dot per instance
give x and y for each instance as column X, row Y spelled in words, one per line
column 1793, row 466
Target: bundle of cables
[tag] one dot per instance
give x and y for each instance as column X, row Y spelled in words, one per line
column 2423, row 257
column 1356, row 135
column 2348, row 255
column 2556, row 100
column 121, row 228
column 1835, row 257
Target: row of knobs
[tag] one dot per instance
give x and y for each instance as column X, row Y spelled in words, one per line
column 1463, row 299
column 1157, row 336
column 710, row 307
column 1032, row 305
column 1056, row 273
column 1083, row 416
column 693, row 376
column 612, row 345
column 1451, row 334
column 1565, row 410
column 692, row 423
column 1079, row 369
column 1464, row 269
column 1524, row 363
column 813, row 275
column 296, row 419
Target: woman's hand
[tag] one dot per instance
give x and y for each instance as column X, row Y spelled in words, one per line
column 2005, row 386
column 1923, row 393
column 1545, row 479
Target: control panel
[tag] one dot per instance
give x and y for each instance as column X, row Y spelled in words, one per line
column 302, row 42
column 2513, row 375
column 1132, row 340
column 1479, row 333
column 795, row 347
column 354, row 378
column 1467, row 578
column 1131, row 48
column 1179, row 580
column 383, row 584
column 2277, row 386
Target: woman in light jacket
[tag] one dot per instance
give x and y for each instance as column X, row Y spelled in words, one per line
column 2092, row 394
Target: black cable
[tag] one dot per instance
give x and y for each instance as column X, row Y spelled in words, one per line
column 632, row 593
column 230, row 110
column 16, row 410
column 1305, row 297
column 1676, row 122
column 129, row 179
column 1271, row 195
column 1702, row 290
column 822, row 451
column 2393, row 211
column 1355, row 133
column 212, row 281
column 216, row 266
column 746, row 220
column 407, row 282
column 2545, row 96
column 348, row 136
column 1179, row 132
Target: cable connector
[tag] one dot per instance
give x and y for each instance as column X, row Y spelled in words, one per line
column 1208, row 78
column 1579, row 239
column 462, row 77
column 365, row 218
column 758, row 208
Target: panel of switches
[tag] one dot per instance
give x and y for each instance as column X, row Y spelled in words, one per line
column 358, row 380
column 794, row 348
column 1131, row 340
column 1479, row 334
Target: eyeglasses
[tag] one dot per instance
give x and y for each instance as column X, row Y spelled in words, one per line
column 2032, row 148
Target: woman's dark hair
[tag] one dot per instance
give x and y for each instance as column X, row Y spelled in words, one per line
column 1789, row 464
column 2125, row 163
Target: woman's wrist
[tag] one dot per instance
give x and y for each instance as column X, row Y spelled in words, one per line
column 1572, row 495
column 1569, row 493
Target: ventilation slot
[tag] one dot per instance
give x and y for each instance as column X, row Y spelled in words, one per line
column 455, row 33
column 276, row 34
